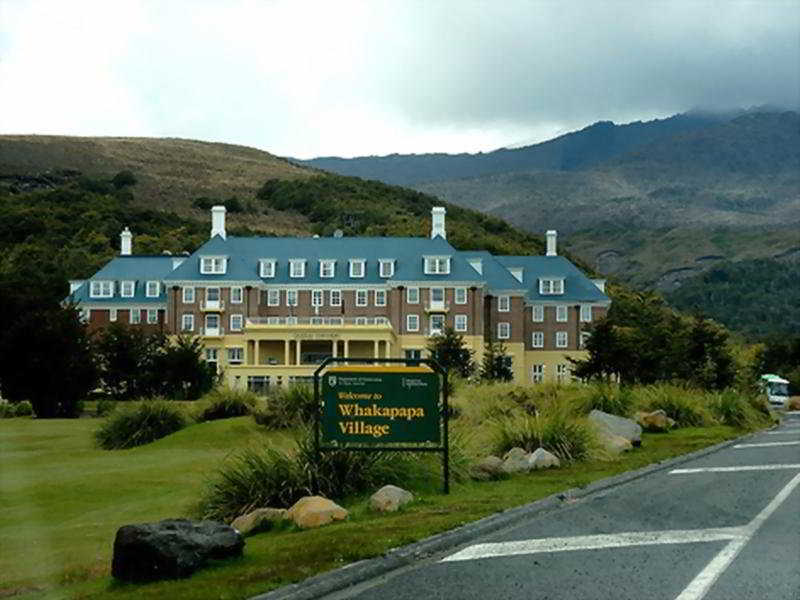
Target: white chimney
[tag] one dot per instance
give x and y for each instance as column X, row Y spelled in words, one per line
column 218, row 221
column 125, row 242
column 437, row 222
column 552, row 234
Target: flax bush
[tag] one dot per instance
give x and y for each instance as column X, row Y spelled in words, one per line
column 689, row 408
column 138, row 423
column 736, row 410
column 223, row 403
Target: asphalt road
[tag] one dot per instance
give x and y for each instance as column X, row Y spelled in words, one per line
column 723, row 527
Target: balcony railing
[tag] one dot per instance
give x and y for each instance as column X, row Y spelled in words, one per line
column 437, row 306
column 213, row 305
column 213, row 331
column 320, row 321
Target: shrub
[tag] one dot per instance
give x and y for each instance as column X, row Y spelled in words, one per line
column 288, row 407
column 104, row 407
column 6, row 409
column 687, row 407
column 735, row 410
column 225, row 403
column 610, row 398
column 139, row 423
column 23, row 409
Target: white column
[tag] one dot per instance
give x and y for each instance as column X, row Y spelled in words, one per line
column 285, row 352
column 334, row 347
column 376, row 349
column 298, row 345
column 346, row 348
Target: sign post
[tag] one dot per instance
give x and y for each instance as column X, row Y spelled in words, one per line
column 394, row 405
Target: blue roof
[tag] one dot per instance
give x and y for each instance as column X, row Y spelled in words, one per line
column 244, row 254
column 577, row 286
column 496, row 275
column 139, row 269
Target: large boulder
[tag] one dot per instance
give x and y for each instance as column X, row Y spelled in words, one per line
column 655, row 421
column 315, row 511
column 620, row 426
column 490, row 467
column 614, row 444
column 260, row 519
column 542, row 459
column 515, row 461
column 171, row 548
column 389, row 498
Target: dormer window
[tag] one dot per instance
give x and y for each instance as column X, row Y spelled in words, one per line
column 357, row 267
column 126, row 289
column 549, row 287
column 153, row 289
column 266, row 267
column 101, row 289
column 213, row 265
column 297, row 268
column 386, row 267
column 437, row 265
column 327, row 269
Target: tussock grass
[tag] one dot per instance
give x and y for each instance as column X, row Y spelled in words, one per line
column 287, row 407
column 138, row 423
column 224, row 403
column 689, row 408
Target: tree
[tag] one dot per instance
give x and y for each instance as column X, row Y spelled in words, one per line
column 449, row 350
column 185, row 375
column 495, row 365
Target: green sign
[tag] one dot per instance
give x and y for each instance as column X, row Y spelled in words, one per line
column 380, row 405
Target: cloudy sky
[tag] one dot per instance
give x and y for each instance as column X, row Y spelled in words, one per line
column 347, row 78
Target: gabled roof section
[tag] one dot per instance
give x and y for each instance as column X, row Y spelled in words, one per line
column 140, row 269
column 495, row 274
column 577, row 286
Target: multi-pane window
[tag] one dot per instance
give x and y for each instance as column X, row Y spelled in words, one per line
column 437, row 296
column 361, row 320
column 291, row 297
column 357, row 266
column 551, row 286
column 538, row 313
column 537, row 339
column 291, row 320
column 414, row 354
column 235, row 355
column 126, row 289
column 561, row 313
column 187, row 322
column 153, row 289
column 386, row 268
column 212, row 355
column 101, row 289
column 237, row 321
column 437, row 324
column 537, row 373
column 212, row 265
column 237, row 295
column 380, row 297
column 327, row 269
column 461, row 322
column 135, row 316
column 297, row 268
column 461, row 295
column 437, row 265
column 586, row 313
column 112, row 315
column 412, row 322
column 585, row 335
column 562, row 372
column 361, row 297
column 562, row 339
column 188, row 295
column 267, row 267
column 316, row 297
column 317, row 320
column 212, row 324
column 503, row 303
column 503, row 331
column 335, row 297
column 412, row 295
column 152, row 316
column 273, row 297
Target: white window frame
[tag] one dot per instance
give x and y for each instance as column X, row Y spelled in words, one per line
column 273, row 320
column 335, row 297
column 562, row 339
column 380, row 297
column 504, row 304
column 187, row 322
column 460, row 322
column 127, row 289
column 586, row 313
column 537, row 373
column 213, row 265
column 362, row 268
column 415, row 299
column 537, row 339
column 327, row 269
column 438, row 290
column 437, row 265
column 112, row 314
column 438, row 318
column 551, row 286
column 217, row 292
column 537, row 313
column 266, row 268
column 585, row 335
column 152, row 316
column 212, row 354
column 240, row 290
column 412, row 322
column 317, row 298
column 149, row 291
column 562, row 313
column 291, row 297
column 504, row 330
column 386, row 267
column 291, row 320
column 135, row 316
column 235, row 350
column 562, row 372
column 362, row 294
column 236, row 318
column 460, row 295
column 273, row 297
column 317, row 320
column 297, row 268
column 361, row 320
column 101, row 289
column 188, row 295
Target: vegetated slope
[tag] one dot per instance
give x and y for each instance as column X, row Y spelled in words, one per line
column 573, row 151
column 758, row 297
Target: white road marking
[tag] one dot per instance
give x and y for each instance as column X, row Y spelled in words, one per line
column 735, row 469
column 767, row 444
column 795, row 432
column 706, row 578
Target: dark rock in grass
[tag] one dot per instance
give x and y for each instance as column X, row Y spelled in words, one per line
column 171, row 549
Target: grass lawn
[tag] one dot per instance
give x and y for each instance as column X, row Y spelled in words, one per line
column 62, row 500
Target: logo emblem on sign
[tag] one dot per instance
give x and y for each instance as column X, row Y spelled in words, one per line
column 332, row 380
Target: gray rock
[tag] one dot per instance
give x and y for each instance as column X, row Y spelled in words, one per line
column 171, row 548
column 515, row 461
column 542, row 459
column 489, row 467
column 614, row 444
column 620, row 426
column 389, row 498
